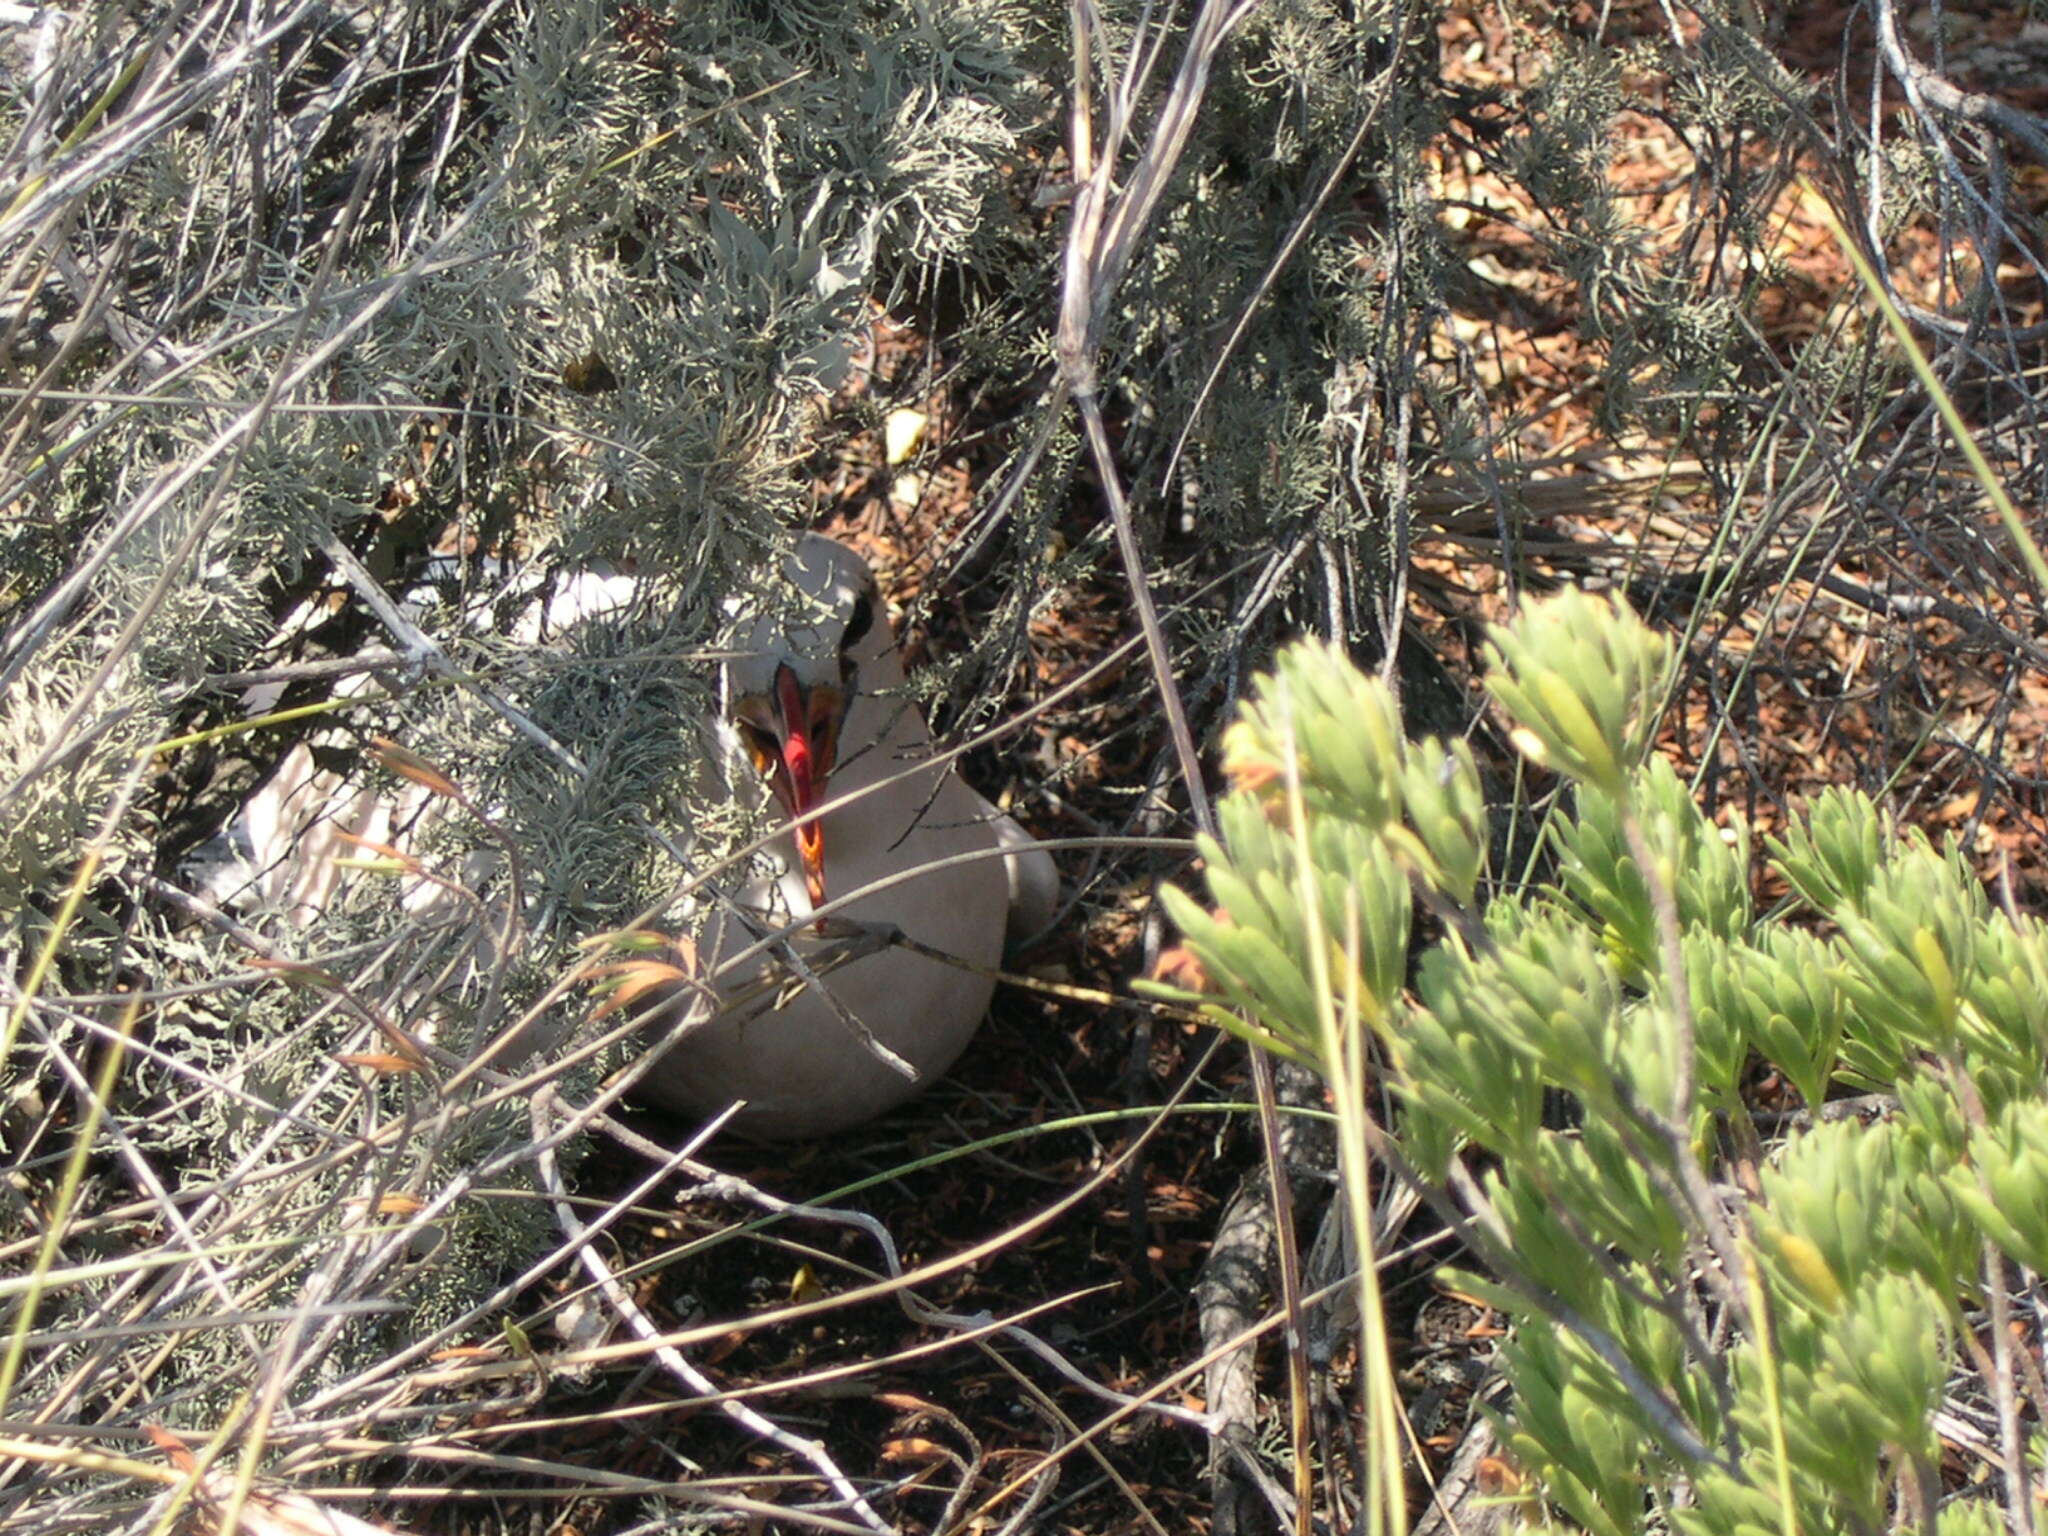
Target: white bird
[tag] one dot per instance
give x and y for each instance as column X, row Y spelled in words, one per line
column 817, row 702
column 821, row 709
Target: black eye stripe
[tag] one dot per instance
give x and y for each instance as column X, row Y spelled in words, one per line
column 860, row 622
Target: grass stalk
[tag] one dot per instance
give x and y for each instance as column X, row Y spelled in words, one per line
column 1342, row 1056
column 1980, row 467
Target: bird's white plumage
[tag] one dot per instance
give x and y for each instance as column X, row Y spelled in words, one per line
column 903, row 836
column 903, row 823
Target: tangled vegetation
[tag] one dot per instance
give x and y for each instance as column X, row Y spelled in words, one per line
column 339, row 343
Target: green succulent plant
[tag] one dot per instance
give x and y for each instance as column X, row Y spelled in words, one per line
column 1691, row 1350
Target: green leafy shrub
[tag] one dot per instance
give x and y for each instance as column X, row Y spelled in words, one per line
column 1712, row 1335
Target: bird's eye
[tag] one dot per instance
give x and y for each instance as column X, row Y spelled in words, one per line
column 859, row 622
column 760, row 745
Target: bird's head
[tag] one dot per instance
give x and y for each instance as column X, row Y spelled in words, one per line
column 794, row 674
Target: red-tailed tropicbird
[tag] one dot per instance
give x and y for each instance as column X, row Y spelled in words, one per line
column 816, row 701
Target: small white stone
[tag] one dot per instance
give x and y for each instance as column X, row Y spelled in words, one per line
column 902, row 433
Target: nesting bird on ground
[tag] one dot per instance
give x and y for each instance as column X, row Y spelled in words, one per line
column 820, row 708
column 816, row 703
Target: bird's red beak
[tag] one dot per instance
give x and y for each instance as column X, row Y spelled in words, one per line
column 793, row 738
column 807, row 769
